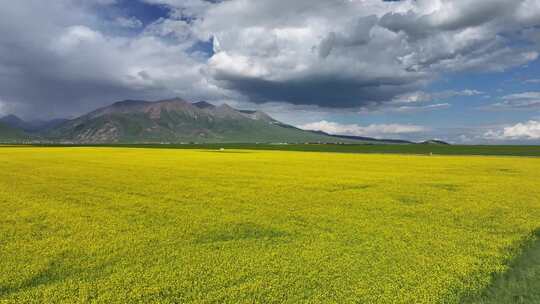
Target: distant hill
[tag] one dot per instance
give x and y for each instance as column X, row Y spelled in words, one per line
column 180, row 121
column 12, row 121
column 9, row 134
column 434, row 142
column 367, row 139
column 34, row 126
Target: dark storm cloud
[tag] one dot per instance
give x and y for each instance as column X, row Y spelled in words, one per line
column 330, row 91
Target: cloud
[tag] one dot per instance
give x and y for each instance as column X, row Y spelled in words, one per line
column 415, row 109
column 128, row 22
column 374, row 52
column 328, row 53
column 345, row 62
column 532, row 81
column 373, row 130
column 420, row 101
column 525, row 131
column 301, row 52
column 178, row 29
column 360, row 35
column 448, row 16
column 524, row 100
column 422, row 97
column 61, row 64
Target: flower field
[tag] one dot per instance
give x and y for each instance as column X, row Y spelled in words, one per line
column 120, row 225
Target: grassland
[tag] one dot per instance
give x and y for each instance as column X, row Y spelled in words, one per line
column 110, row 225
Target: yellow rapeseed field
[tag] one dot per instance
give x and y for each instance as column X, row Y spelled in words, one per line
column 124, row 225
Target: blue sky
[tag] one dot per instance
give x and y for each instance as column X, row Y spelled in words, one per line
column 462, row 71
column 145, row 12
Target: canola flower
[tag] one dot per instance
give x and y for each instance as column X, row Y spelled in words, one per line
column 114, row 225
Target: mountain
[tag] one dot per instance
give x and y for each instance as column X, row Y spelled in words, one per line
column 40, row 126
column 34, row 126
column 367, row 139
column 179, row 121
column 9, row 134
column 12, row 121
column 435, row 142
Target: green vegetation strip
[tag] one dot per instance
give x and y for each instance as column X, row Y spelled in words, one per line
column 425, row 149
column 520, row 284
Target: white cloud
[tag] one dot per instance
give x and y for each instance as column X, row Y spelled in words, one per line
column 414, row 97
column 76, row 37
column 526, row 131
column 532, row 81
column 431, row 107
column 373, row 130
column 328, row 53
column 469, row 93
column 354, row 53
column 128, row 22
column 521, row 96
column 421, row 96
column 66, row 63
column 525, row 100
column 179, row 29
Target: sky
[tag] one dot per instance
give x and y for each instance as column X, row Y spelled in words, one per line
column 456, row 70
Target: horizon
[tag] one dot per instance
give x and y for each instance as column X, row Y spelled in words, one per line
column 413, row 70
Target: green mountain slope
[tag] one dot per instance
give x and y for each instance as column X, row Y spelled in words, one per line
column 9, row 134
column 179, row 121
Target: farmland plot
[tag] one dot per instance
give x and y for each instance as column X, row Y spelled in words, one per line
column 121, row 225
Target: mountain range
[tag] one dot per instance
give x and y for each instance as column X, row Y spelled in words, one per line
column 9, row 134
column 30, row 126
column 167, row 121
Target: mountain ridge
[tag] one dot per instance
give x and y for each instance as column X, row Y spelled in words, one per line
column 9, row 134
column 178, row 121
column 32, row 126
column 172, row 121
